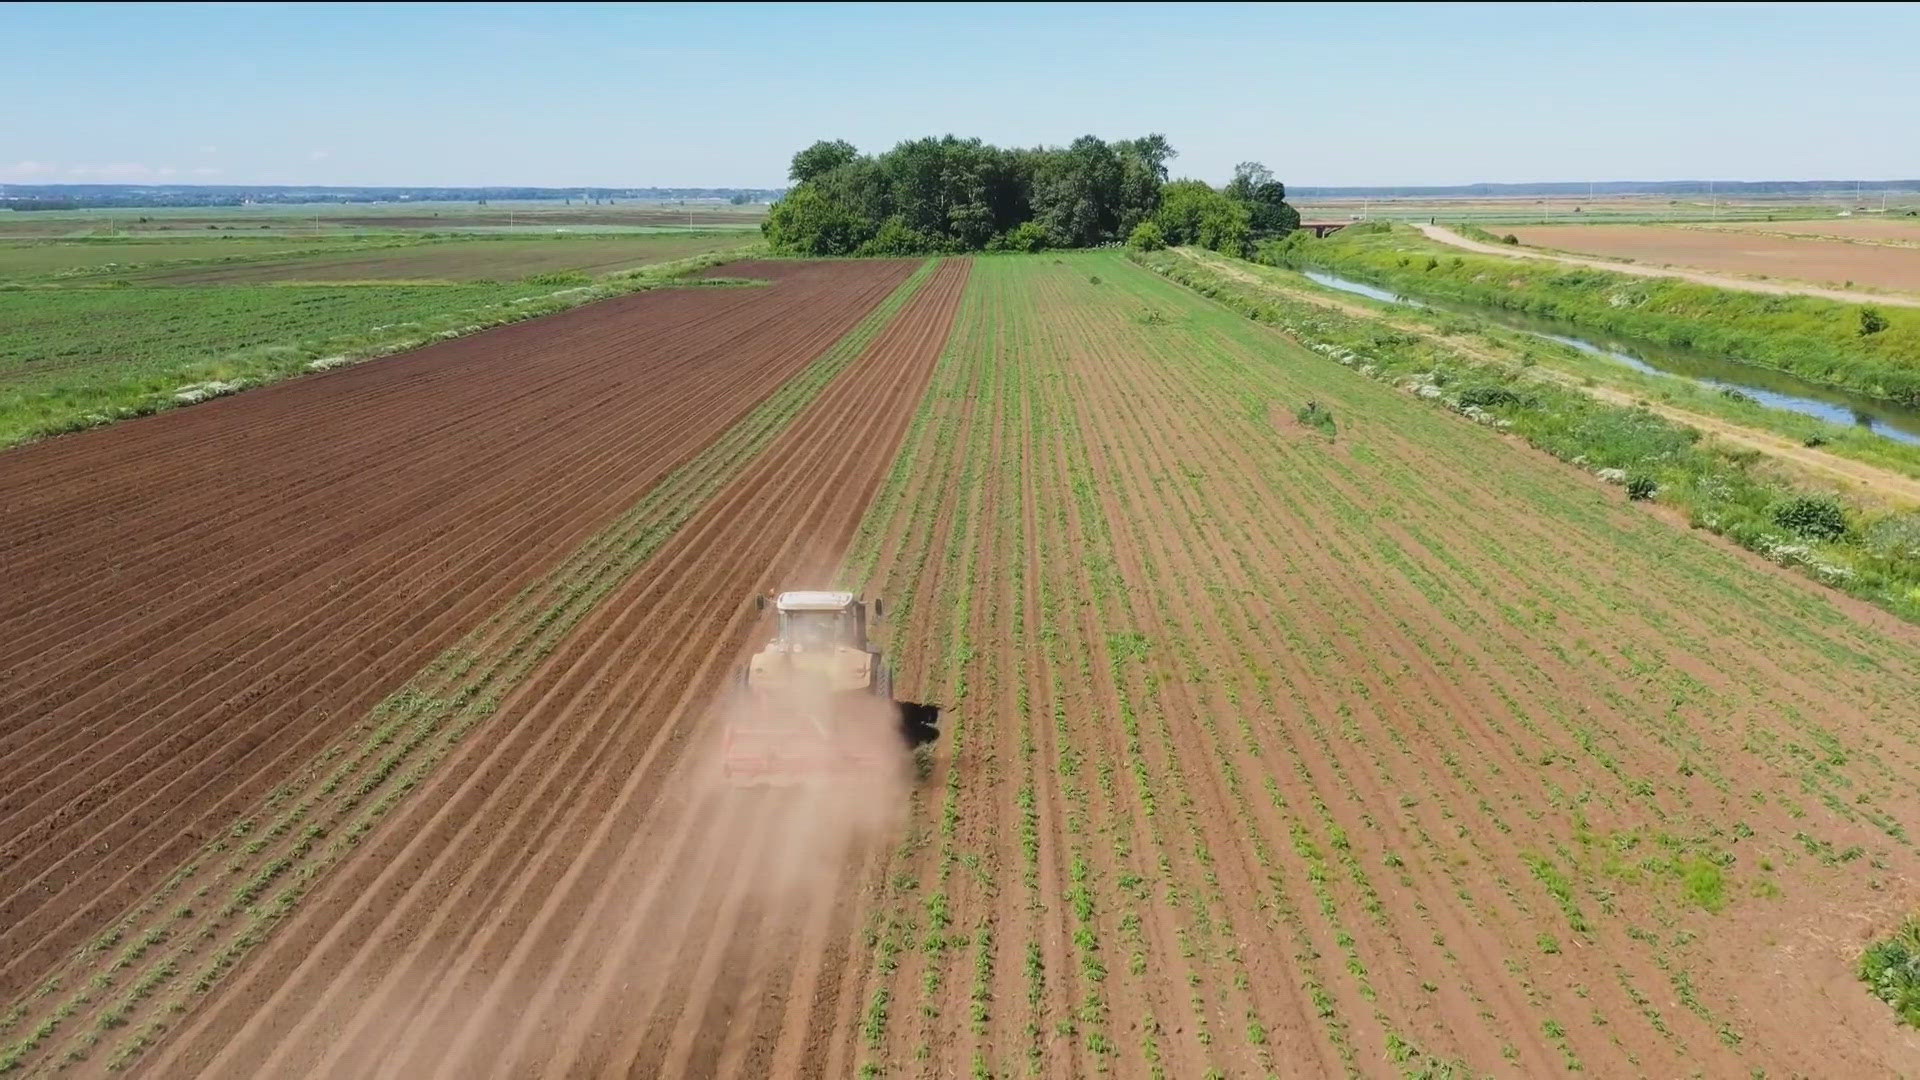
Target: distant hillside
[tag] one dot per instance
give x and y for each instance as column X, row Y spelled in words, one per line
column 78, row 196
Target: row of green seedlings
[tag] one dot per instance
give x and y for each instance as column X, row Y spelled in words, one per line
column 1214, row 385
column 418, row 725
column 962, row 560
column 1684, row 737
column 1192, row 511
column 1010, row 695
column 1038, row 607
column 1061, row 665
column 1138, row 692
column 1064, row 785
column 1682, row 733
column 1221, row 630
column 1364, row 583
column 1014, row 467
column 1132, row 677
column 1066, row 659
column 933, row 436
column 1264, row 689
column 1450, row 760
column 1103, row 586
column 1357, row 874
column 1711, row 777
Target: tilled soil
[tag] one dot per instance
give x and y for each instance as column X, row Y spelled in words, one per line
column 568, row 894
column 199, row 601
column 1401, row 750
column 1710, row 257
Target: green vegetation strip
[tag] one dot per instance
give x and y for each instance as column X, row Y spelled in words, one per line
column 1475, row 334
column 182, row 940
column 1891, row 969
column 1869, row 553
column 72, row 358
column 1874, row 351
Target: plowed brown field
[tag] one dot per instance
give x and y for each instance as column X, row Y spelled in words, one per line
column 1750, row 252
column 200, row 601
column 1404, row 750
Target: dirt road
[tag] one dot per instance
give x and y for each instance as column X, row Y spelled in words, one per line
column 1845, row 296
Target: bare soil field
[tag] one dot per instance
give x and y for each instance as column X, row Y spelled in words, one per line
column 573, row 898
column 1901, row 230
column 200, row 601
column 456, row 260
column 1823, row 262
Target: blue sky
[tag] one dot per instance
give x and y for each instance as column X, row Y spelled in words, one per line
column 563, row 94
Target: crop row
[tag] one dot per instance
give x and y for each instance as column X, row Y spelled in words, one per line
column 190, row 933
column 72, row 358
column 1348, row 749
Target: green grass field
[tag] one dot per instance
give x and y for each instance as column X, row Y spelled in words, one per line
column 98, row 346
column 1868, row 350
column 396, row 218
column 457, row 260
column 40, row 259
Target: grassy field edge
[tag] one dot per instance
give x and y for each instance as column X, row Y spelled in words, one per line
column 1823, row 340
column 1874, row 555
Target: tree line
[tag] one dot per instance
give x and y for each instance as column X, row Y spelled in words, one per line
column 950, row 194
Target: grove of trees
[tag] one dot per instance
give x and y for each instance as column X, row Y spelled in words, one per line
column 951, row 194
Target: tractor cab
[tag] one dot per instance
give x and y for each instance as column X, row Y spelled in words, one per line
column 819, row 645
column 821, row 621
column 818, row 702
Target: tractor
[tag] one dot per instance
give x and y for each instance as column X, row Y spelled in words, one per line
column 818, row 699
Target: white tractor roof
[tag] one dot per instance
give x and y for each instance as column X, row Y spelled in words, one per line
column 813, row 601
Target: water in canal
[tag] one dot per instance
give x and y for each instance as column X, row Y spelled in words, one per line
column 1775, row 389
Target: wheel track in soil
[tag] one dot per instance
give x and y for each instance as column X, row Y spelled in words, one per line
column 112, row 730
column 564, row 832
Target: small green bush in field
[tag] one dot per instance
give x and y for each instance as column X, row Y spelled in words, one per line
column 1488, row 395
column 1891, row 970
column 559, row 277
column 1811, row 517
column 1314, row 414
